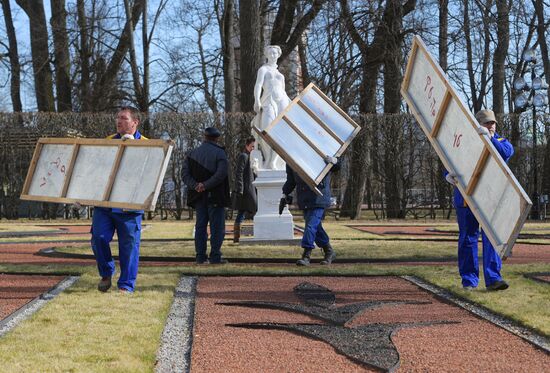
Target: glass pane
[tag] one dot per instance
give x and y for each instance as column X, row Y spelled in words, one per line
column 299, row 150
column 313, row 131
column 332, row 118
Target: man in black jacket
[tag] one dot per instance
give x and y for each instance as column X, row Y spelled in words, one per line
column 205, row 174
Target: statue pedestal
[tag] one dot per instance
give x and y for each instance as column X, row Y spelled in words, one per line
column 268, row 224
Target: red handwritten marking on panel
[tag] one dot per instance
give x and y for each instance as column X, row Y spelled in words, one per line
column 456, row 142
column 429, row 88
column 57, row 165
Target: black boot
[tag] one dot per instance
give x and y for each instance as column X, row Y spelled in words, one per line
column 305, row 258
column 236, row 232
column 329, row 255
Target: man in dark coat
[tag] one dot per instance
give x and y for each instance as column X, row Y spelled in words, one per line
column 205, row 174
column 313, row 207
column 245, row 200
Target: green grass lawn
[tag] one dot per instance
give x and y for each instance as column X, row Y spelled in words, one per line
column 83, row 330
column 403, row 250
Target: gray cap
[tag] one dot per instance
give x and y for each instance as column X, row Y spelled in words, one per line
column 211, row 132
column 484, row 116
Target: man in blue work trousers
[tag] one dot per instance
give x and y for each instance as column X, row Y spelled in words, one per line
column 469, row 227
column 205, row 174
column 313, row 207
column 127, row 223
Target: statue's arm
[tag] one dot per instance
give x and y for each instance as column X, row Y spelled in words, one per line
column 258, row 89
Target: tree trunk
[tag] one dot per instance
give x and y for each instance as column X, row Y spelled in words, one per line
column 393, row 77
column 499, row 59
column 226, row 21
column 43, row 84
column 228, row 51
column 144, row 105
column 85, row 54
column 283, row 33
column 15, row 67
column 251, row 51
column 302, row 52
column 138, row 89
column 372, row 58
column 441, row 186
column 541, row 28
column 62, row 62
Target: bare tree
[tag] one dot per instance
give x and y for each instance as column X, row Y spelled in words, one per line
column 385, row 49
column 503, row 41
column 477, row 91
column 226, row 21
column 519, row 70
column 43, row 84
column 104, row 93
column 372, row 58
column 62, row 59
column 542, row 27
column 287, row 31
column 441, row 186
column 250, row 50
column 13, row 54
column 84, row 57
column 332, row 62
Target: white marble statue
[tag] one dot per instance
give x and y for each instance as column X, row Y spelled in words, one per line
column 270, row 99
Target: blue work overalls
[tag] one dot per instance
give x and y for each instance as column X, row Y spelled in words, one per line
column 469, row 234
column 128, row 227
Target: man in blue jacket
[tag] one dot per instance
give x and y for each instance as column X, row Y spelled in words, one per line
column 469, row 227
column 205, row 174
column 127, row 223
column 313, row 207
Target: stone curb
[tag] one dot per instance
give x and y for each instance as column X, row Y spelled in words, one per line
column 505, row 323
column 34, row 305
column 174, row 354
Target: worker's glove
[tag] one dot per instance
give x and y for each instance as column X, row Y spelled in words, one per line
column 483, row 131
column 451, row 179
column 330, row 160
column 127, row 137
column 285, row 200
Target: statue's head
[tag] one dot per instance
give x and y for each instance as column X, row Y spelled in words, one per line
column 273, row 51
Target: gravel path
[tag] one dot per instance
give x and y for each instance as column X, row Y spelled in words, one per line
column 175, row 346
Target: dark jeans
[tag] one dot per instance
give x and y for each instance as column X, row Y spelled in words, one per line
column 241, row 214
column 207, row 213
